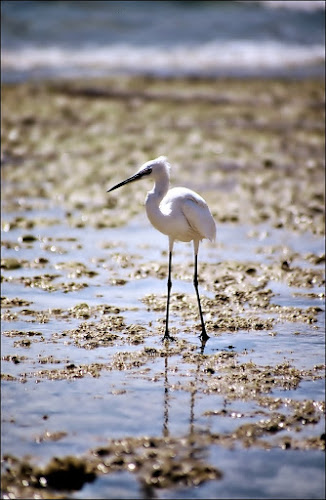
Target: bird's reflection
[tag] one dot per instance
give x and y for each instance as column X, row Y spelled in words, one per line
column 166, row 395
column 185, row 461
column 193, row 391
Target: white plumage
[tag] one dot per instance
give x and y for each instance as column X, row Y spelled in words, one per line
column 180, row 213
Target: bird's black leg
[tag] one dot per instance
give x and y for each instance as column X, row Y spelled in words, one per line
column 166, row 334
column 204, row 335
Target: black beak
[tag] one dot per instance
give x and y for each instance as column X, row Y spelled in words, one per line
column 133, row 178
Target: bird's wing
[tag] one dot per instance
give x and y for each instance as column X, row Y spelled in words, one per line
column 199, row 216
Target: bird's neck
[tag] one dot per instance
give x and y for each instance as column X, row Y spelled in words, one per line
column 152, row 204
column 156, row 195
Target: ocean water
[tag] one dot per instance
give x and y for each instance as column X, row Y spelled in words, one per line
column 50, row 39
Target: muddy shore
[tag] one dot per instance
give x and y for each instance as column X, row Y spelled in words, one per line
column 254, row 149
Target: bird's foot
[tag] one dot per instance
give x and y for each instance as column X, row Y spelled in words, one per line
column 204, row 337
column 167, row 336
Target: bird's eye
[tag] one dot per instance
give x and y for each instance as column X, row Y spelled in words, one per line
column 148, row 171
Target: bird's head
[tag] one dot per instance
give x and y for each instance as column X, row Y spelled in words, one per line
column 156, row 169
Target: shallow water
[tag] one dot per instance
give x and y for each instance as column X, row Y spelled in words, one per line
column 163, row 396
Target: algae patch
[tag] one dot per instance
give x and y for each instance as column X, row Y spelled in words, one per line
column 157, row 463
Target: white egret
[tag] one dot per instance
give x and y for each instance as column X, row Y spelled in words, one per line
column 181, row 214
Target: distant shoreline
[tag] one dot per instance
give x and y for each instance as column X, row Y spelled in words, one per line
column 300, row 73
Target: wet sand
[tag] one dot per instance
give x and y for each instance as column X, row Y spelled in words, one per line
column 94, row 405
